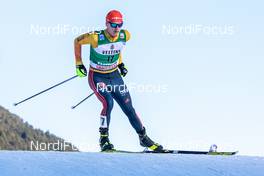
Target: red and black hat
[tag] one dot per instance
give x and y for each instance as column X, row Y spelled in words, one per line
column 114, row 16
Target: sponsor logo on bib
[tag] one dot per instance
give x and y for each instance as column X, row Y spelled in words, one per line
column 122, row 36
column 101, row 37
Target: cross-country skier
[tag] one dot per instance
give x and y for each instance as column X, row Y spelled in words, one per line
column 105, row 79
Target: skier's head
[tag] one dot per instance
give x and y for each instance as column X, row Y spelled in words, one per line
column 114, row 21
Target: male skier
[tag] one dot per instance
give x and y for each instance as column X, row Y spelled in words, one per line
column 105, row 79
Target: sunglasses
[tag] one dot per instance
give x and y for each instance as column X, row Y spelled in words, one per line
column 115, row 25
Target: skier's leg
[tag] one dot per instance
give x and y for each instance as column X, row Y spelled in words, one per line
column 123, row 98
column 98, row 85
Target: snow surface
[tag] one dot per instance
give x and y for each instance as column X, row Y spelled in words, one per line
column 20, row 163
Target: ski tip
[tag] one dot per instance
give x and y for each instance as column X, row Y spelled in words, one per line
column 236, row 152
column 223, row 153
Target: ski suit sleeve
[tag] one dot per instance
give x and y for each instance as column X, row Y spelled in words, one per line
column 127, row 38
column 88, row 38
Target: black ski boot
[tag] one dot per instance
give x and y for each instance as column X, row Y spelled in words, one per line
column 145, row 141
column 104, row 140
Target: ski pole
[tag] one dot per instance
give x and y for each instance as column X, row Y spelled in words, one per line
column 82, row 101
column 15, row 104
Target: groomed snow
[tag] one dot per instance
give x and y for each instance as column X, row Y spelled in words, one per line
column 20, row 163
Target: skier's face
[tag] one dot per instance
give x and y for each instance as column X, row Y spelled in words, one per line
column 113, row 28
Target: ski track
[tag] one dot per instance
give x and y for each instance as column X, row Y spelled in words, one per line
column 20, row 163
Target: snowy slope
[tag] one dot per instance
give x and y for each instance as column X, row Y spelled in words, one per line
column 105, row 164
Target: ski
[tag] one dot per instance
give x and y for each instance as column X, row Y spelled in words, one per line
column 194, row 152
column 176, row 152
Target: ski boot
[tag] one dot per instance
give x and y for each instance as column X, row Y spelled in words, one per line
column 145, row 141
column 104, row 140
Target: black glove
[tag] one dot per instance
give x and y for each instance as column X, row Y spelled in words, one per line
column 123, row 70
column 81, row 70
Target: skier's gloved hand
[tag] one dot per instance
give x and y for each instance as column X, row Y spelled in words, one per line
column 81, row 70
column 123, row 69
